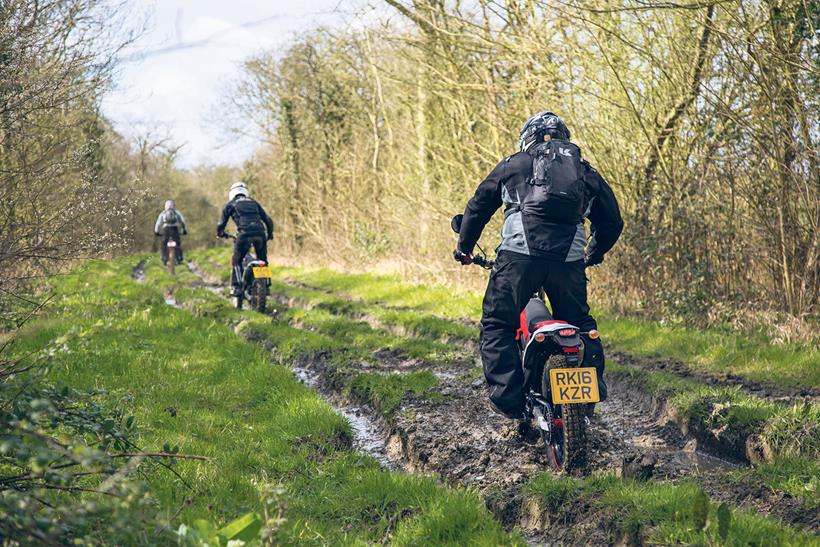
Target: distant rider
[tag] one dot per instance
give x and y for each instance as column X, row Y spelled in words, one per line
column 253, row 226
column 169, row 222
column 547, row 190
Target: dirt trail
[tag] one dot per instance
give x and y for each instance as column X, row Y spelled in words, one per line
column 459, row 438
column 657, row 363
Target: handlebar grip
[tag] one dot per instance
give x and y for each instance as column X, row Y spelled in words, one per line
column 483, row 262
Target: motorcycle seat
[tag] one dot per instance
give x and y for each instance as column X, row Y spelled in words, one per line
column 535, row 315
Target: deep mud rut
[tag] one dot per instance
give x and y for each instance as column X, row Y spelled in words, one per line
column 457, row 437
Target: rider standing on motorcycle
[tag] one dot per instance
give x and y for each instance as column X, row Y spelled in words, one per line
column 167, row 226
column 547, row 191
column 253, row 226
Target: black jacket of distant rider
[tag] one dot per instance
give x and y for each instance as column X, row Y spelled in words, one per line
column 249, row 216
column 566, row 242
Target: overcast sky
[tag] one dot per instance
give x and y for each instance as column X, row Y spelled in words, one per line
column 162, row 83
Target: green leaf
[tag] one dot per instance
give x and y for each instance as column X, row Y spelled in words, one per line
column 700, row 510
column 245, row 528
column 205, row 529
column 724, row 518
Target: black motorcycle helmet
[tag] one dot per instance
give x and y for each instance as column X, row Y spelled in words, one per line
column 540, row 125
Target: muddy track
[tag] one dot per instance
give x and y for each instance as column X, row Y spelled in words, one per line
column 458, row 438
column 656, row 363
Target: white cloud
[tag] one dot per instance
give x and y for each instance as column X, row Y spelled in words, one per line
column 180, row 88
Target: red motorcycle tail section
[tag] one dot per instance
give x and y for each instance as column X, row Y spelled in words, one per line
column 534, row 316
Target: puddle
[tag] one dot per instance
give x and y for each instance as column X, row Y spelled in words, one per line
column 626, row 421
column 445, row 375
column 702, row 462
column 367, row 435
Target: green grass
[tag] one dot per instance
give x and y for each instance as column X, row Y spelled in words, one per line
column 386, row 391
column 193, row 383
column 800, row 477
column 554, row 491
column 717, row 351
column 429, row 310
column 406, row 309
column 662, row 513
column 327, row 300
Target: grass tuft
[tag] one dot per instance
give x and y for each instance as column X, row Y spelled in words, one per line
column 386, row 391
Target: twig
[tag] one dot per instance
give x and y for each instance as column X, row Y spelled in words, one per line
column 161, row 455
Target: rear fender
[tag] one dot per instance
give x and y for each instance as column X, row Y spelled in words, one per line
column 550, row 331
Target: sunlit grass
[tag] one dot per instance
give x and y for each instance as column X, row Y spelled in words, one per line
column 192, row 383
column 717, row 351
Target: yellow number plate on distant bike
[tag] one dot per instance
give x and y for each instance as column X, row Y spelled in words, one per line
column 262, row 271
column 574, row 385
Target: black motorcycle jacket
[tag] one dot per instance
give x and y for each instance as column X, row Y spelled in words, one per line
column 532, row 235
column 249, row 216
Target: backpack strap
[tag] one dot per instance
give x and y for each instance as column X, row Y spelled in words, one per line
column 542, row 157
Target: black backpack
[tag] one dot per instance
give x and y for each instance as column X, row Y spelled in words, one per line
column 170, row 218
column 557, row 185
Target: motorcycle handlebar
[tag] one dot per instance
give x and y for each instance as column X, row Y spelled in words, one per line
column 483, row 262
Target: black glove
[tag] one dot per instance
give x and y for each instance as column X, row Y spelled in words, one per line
column 270, row 237
column 221, row 235
column 185, row 232
column 592, row 260
column 463, row 258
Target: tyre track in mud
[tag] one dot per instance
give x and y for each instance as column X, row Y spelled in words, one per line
column 458, row 438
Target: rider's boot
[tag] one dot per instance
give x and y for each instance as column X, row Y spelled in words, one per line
column 527, row 432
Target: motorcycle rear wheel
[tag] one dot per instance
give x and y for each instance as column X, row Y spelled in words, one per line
column 566, row 446
column 172, row 259
column 259, row 295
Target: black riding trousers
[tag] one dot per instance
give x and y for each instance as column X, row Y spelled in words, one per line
column 244, row 242
column 514, row 279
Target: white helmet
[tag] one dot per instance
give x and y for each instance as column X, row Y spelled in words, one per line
column 169, row 205
column 237, row 189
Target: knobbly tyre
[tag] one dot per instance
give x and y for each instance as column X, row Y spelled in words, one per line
column 255, row 278
column 559, row 391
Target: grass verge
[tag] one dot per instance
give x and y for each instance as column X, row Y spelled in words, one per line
column 196, row 387
column 662, row 513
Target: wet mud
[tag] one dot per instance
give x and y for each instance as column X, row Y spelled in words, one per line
column 456, row 436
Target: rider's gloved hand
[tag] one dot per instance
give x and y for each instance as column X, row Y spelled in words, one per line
column 463, row 258
column 221, row 235
column 185, row 232
column 592, row 260
column 270, row 237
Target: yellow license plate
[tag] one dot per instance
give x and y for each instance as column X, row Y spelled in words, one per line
column 262, row 271
column 574, row 385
